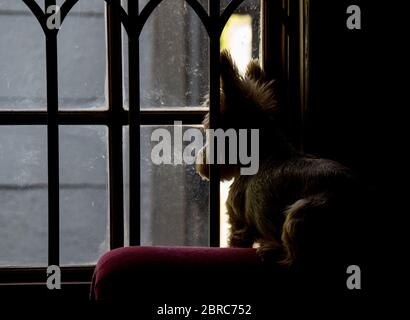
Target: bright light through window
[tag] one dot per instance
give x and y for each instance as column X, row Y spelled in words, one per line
column 237, row 38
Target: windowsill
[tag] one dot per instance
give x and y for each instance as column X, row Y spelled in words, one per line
column 38, row 275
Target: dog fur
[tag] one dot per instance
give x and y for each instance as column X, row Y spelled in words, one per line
column 297, row 206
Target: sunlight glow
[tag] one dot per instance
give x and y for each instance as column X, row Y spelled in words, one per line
column 237, row 38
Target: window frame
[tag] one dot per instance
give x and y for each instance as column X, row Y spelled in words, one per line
column 284, row 25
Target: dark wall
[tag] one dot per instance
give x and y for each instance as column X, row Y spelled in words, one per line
column 358, row 82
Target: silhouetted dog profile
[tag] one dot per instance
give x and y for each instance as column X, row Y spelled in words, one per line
column 297, row 206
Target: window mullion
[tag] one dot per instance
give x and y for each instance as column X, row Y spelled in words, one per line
column 115, row 104
column 134, row 127
column 52, row 145
column 214, row 100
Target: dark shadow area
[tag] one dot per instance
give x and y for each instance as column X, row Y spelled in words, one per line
column 356, row 116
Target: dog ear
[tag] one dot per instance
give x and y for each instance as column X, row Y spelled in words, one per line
column 255, row 72
column 260, row 88
column 231, row 80
column 253, row 86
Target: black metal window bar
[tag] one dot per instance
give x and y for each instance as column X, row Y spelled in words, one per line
column 115, row 117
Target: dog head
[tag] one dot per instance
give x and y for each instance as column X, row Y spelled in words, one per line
column 246, row 102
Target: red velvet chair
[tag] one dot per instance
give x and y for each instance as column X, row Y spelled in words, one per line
column 153, row 276
column 181, row 273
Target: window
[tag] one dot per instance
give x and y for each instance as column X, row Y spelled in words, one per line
column 83, row 149
column 77, row 109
